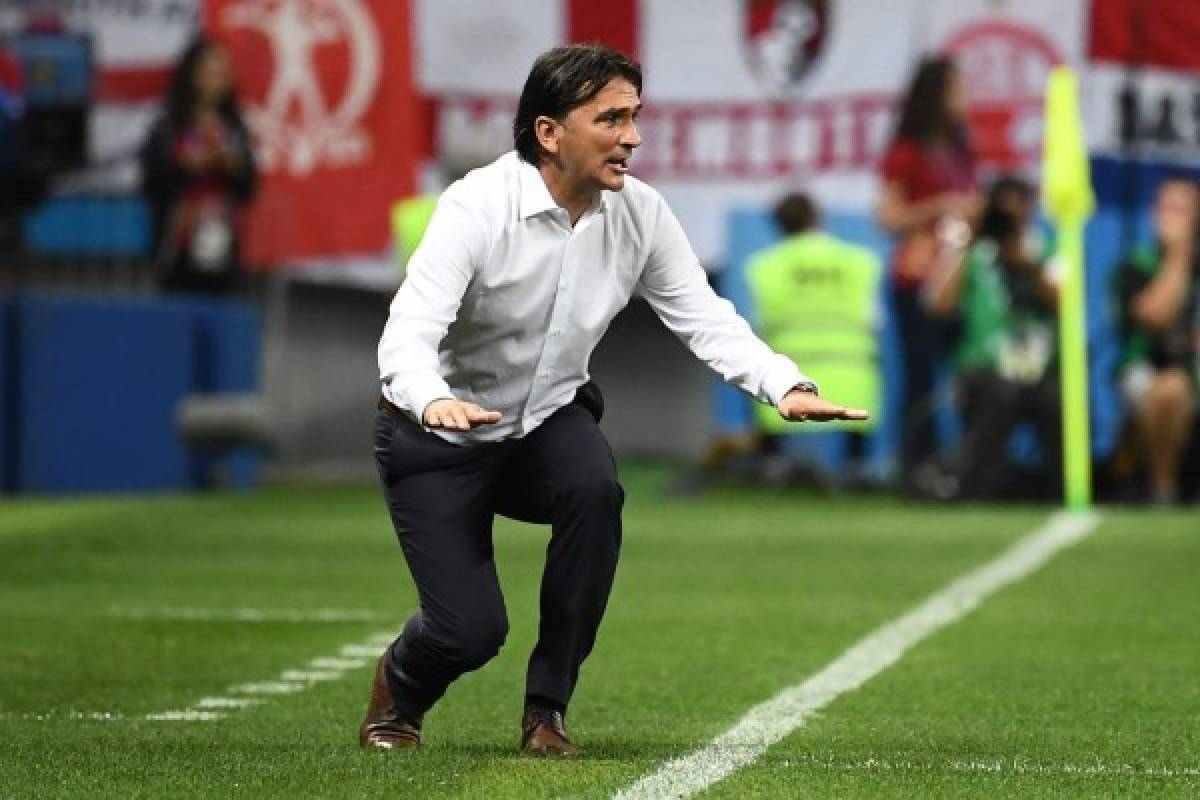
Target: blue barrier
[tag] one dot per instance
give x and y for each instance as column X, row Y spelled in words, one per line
column 228, row 342
column 98, row 383
column 90, row 226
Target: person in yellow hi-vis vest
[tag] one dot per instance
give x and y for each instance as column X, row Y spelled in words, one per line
column 410, row 218
column 816, row 301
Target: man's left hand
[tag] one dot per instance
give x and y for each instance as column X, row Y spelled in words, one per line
column 801, row 406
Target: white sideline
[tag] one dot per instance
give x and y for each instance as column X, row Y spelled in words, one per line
column 771, row 721
column 289, row 681
column 173, row 614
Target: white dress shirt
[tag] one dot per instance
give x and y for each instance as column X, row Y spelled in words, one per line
column 504, row 301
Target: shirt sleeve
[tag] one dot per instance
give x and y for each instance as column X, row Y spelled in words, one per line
column 427, row 303
column 676, row 287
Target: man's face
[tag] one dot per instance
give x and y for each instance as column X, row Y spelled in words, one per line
column 596, row 140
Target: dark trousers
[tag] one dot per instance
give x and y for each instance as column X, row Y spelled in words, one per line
column 993, row 407
column 923, row 340
column 442, row 499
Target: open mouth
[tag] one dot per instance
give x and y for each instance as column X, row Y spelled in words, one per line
column 619, row 164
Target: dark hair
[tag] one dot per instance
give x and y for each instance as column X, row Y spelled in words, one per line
column 563, row 79
column 181, row 97
column 924, row 116
column 998, row 223
column 1009, row 184
column 1182, row 178
column 796, row 213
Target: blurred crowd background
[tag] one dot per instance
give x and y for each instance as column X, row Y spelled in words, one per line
column 205, row 206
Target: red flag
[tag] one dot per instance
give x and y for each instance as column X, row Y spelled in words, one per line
column 327, row 90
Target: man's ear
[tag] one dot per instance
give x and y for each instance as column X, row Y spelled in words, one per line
column 547, row 130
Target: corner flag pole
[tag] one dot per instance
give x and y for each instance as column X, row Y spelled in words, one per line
column 1068, row 199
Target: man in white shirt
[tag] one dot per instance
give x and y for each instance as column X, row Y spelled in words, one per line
column 487, row 407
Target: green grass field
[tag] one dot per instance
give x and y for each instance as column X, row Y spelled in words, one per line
column 1082, row 680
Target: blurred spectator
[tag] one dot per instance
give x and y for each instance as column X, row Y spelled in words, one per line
column 1159, row 315
column 197, row 169
column 816, row 301
column 928, row 173
column 1006, row 295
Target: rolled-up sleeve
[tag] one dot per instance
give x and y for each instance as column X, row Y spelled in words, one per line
column 676, row 287
column 427, row 303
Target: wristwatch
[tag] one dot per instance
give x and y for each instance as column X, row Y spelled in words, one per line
column 806, row 386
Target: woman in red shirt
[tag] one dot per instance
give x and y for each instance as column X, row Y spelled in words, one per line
column 928, row 173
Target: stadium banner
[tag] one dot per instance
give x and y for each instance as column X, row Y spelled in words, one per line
column 745, row 100
column 330, row 110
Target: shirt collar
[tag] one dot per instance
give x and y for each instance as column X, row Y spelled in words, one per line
column 536, row 198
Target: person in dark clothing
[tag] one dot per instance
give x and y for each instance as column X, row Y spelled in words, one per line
column 1157, row 291
column 1005, row 293
column 197, row 171
column 927, row 174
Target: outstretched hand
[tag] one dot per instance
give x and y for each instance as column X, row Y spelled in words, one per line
column 801, row 406
column 456, row 415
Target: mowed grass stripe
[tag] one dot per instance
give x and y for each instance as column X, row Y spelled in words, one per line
column 771, row 721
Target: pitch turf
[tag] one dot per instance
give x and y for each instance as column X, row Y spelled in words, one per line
column 1081, row 681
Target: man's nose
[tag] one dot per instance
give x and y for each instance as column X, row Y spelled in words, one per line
column 630, row 137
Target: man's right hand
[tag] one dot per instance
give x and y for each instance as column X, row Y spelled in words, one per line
column 455, row 415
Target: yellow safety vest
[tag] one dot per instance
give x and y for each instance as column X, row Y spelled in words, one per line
column 815, row 299
column 410, row 218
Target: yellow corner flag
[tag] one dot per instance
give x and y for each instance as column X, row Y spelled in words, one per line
column 1069, row 201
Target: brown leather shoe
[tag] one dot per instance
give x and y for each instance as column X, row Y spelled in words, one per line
column 383, row 727
column 543, row 734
